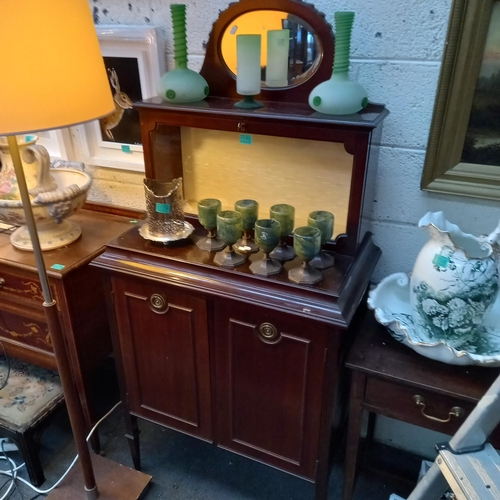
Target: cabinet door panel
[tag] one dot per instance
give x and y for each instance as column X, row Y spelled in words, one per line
column 269, row 391
column 165, row 355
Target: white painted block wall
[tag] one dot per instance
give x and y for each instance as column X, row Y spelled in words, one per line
column 396, row 54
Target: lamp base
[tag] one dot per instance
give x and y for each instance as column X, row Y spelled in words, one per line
column 114, row 482
column 51, row 235
column 248, row 102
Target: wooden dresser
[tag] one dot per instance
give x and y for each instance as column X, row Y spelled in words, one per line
column 78, row 291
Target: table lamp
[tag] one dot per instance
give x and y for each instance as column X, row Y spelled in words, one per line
column 53, row 76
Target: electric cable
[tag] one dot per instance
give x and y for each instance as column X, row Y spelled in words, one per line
column 15, row 468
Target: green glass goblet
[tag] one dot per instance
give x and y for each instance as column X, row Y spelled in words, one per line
column 285, row 215
column 229, row 229
column 207, row 214
column 249, row 210
column 324, row 221
column 307, row 244
column 267, row 236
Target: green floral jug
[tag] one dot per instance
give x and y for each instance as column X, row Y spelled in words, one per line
column 454, row 281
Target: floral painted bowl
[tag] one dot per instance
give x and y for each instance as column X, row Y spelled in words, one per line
column 390, row 300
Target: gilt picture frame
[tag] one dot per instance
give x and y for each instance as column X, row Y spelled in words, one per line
column 463, row 151
column 134, row 60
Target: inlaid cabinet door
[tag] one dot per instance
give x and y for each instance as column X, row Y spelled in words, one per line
column 270, row 371
column 164, row 344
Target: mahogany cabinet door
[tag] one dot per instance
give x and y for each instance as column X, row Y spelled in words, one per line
column 164, row 347
column 270, row 371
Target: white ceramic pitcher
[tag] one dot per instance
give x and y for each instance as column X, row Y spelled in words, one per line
column 454, row 280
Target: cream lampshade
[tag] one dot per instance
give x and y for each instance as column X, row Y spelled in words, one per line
column 53, row 76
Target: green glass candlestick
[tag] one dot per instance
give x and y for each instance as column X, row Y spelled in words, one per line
column 307, row 244
column 249, row 210
column 229, row 229
column 339, row 95
column 181, row 85
column 324, row 221
column 248, row 70
column 207, row 214
column 267, row 236
column 285, row 215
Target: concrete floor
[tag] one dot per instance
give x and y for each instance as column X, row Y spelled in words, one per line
column 186, row 468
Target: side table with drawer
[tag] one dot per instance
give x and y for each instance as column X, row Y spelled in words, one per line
column 390, row 379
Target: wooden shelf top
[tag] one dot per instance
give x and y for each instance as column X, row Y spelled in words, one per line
column 97, row 229
column 182, row 263
column 368, row 118
column 376, row 353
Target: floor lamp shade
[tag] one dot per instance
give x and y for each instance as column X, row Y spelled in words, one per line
column 53, row 74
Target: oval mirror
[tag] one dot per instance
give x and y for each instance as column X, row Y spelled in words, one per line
column 294, row 47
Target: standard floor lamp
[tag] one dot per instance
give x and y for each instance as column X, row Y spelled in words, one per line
column 53, row 76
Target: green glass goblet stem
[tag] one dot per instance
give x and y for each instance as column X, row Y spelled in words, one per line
column 307, row 244
column 267, row 237
column 207, row 214
column 249, row 210
column 324, row 221
column 229, row 229
column 285, row 215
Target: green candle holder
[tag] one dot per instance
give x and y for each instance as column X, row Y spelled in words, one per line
column 181, row 85
column 207, row 215
column 249, row 210
column 324, row 221
column 267, row 236
column 229, row 229
column 285, row 215
column 307, row 244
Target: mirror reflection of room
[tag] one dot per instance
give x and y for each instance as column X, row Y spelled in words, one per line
column 303, row 47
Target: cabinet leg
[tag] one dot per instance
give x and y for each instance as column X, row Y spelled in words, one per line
column 353, row 431
column 133, row 440
column 95, row 443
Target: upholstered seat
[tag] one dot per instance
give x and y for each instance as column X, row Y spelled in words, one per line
column 30, row 395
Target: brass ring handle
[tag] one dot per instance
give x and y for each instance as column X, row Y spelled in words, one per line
column 241, row 127
column 2, row 282
column 268, row 331
column 158, row 303
column 455, row 411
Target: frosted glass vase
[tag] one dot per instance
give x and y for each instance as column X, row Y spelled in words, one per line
column 339, row 95
column 181, row 85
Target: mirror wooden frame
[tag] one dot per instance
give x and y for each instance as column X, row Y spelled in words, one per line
column 443, row 170
column 222, row 82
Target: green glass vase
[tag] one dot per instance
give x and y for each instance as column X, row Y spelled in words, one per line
column 339, row 95
column 181, row 85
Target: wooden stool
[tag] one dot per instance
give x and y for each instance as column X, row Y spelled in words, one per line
column 29, row 397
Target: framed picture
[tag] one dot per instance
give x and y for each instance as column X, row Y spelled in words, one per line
column 463, row 152
column 134, row 62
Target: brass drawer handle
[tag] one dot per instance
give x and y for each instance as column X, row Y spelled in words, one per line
column 2, row 282
column 268, row 331
column 456, row 411
column 158, row 303
column 241, row 127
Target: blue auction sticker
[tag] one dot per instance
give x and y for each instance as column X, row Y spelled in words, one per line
column 245, row 139
column 163, row 208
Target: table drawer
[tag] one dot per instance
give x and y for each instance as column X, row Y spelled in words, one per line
column 398, row 401
column 20, row 286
